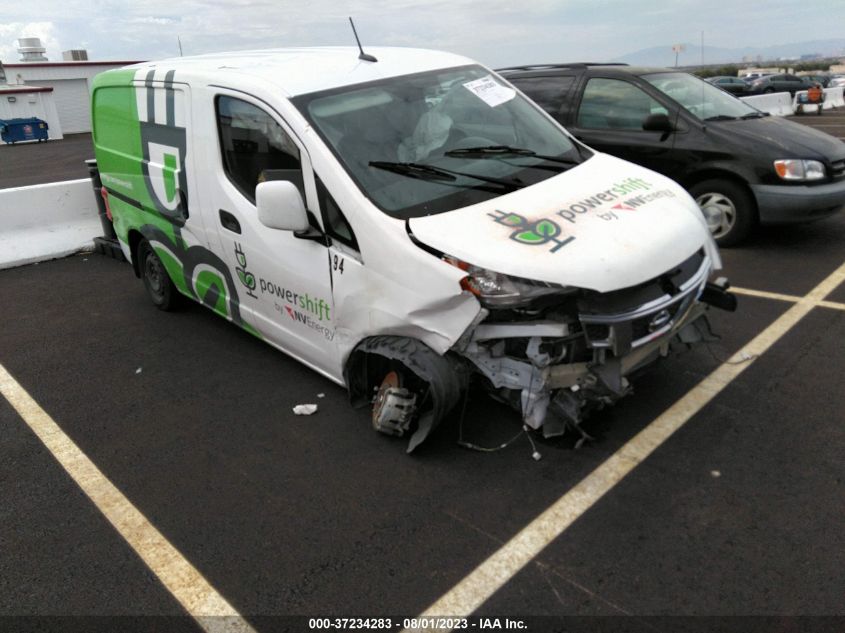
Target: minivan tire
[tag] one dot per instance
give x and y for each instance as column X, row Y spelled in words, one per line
column 163, row 293
column 728, row 208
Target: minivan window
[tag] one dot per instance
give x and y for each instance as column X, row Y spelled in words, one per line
column 703, row 100
column 406, row 140
column 615, row 104
column 254, row 147
column 547, row 92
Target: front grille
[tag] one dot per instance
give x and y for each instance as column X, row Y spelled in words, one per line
column 666, row 304
column 837, row 169
column 644, row 326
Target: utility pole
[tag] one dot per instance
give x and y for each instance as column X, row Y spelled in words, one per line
column 677, row 48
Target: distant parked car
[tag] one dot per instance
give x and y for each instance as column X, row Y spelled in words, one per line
column 752, row 76
column 824, row 80
column 741, row 165
column 778, row 83
column 734, row 85
column 836, row 81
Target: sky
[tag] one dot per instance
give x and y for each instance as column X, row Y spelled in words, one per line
column 494, row 32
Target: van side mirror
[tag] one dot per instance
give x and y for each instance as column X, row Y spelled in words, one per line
column 658, row 123
column 280, row 206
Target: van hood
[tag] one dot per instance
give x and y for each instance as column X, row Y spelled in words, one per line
column 787, row 138
column 603, row 225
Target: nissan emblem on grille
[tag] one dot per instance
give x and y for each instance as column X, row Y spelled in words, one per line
column 659, row 320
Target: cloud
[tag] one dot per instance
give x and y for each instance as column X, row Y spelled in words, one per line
column 156, row 21
column 496, row 32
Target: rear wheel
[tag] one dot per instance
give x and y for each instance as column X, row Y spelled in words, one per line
column 728, row 209
column 163, row 293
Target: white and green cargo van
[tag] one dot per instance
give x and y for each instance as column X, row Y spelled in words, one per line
column 401, row 226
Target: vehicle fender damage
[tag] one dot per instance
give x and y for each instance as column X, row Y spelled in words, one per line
column 437, row 381
column 551, row 364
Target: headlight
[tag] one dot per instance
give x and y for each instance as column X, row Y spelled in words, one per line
column 797, row 169
column 496, row 290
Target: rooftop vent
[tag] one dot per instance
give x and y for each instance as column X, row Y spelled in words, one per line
column 75, row 55
column 31, row 50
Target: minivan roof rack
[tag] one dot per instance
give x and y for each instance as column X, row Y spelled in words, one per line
column 570, row 65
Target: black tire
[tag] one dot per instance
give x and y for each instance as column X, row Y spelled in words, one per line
column 728, row 208
column 160, row 288
column 769, row 90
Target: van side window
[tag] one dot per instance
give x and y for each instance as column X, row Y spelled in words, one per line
column 254, row 147
column 615, row 104
column 337, row 226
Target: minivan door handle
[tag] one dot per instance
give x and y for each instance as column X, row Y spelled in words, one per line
column 229, row 222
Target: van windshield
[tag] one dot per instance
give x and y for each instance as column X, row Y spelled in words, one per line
column 431, row 142
column 700, row 98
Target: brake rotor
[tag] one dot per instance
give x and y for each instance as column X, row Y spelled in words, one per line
column 394, row 406
column 390, row 381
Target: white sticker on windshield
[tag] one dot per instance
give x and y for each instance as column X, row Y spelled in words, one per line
column 490, row 91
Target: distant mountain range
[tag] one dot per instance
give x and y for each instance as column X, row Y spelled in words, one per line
column 691, row 56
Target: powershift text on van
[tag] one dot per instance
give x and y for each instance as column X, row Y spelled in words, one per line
column 401, row 226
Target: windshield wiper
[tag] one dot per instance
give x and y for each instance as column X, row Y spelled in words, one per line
column 721, row 117
column 430, row 172
column 499, row 151
column 755, row 115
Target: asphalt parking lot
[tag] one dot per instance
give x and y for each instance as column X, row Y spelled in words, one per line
column 732, row 522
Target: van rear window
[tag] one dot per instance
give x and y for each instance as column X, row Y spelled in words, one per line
column 115, row 118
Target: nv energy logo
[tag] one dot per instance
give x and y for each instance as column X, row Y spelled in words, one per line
column 533, row 233
column 161, row 113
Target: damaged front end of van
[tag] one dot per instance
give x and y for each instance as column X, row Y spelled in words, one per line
column 548, row 271
column 572, row 302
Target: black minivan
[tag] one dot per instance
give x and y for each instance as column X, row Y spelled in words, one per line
column 741, row 165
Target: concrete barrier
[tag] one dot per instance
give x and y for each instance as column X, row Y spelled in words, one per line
column 776, row 103
column 833, row 98
column 43, row 222
column 804, row 108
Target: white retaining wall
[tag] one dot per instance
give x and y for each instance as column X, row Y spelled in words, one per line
column 776, row 103
column 43, row 222
column 833, row 98
column 781, row 104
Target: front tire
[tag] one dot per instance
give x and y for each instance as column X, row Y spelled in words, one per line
column 160, row 288
column 728, row 208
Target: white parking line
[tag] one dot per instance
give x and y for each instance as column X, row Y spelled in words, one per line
column 211, row 611
column 474, row 590
column 835, row 305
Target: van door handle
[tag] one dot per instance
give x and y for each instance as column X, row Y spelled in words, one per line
column 229, row 222
column 183, row 204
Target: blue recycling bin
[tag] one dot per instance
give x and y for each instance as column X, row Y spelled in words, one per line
column 16, row 130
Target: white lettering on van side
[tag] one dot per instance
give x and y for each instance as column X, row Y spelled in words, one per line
column 112, row 180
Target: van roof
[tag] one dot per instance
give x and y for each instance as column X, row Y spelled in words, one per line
column 302, row 70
